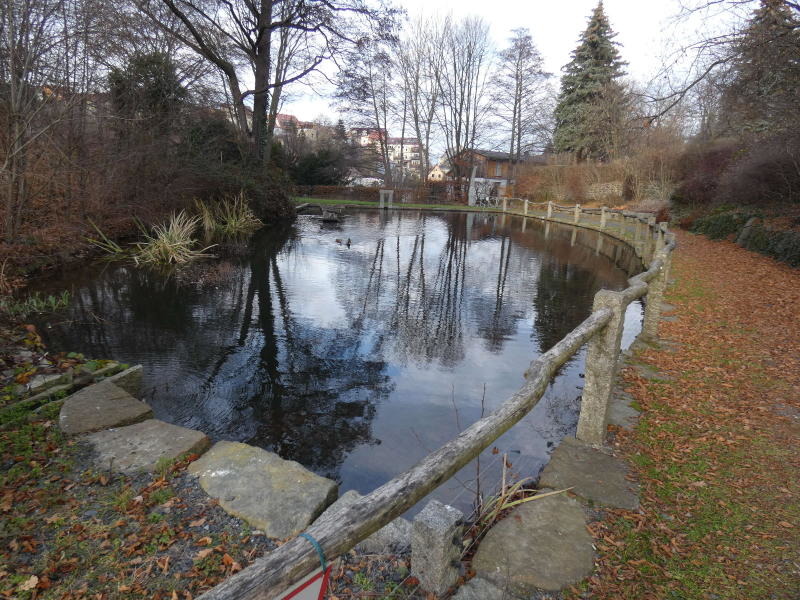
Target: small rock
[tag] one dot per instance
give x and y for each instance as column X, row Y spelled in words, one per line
column 480, row 589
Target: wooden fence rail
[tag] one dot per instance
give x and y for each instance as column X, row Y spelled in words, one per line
column 271, row 576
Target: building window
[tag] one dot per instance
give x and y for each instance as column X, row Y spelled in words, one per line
column 498, row 170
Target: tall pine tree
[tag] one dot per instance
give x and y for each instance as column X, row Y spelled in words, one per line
column 592, row 104
column 763, row 91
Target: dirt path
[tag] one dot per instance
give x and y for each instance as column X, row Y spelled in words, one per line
column 716, row 447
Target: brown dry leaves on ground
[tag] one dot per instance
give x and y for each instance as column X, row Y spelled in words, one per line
column 716, row 447
column 69, row 531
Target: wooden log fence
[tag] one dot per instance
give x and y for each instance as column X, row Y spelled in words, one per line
column 271, row 576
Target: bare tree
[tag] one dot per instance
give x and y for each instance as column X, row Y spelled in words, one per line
column 416, row 55
column 366, row 91
column 32, row 31
column 242, row 36
column 461, row 70
column 519, row 94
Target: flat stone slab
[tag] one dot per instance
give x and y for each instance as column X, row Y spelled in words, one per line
column 393, row 538
column 279, row 497
column 139, row 447
column 101, row 406
column 129, row 380
column 651, row 374
column 541, row 545
column 620, row 411
column 592, row 474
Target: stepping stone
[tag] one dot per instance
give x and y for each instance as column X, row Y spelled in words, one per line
column 129, row 380
column 139, row 447
column 620, row 411
column 393, row 538
column 279, row 497
column 651, row 374
column 101, row 406
column 541, row 545
column 592, row 474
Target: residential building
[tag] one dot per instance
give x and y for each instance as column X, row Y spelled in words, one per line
column 404, row 152
column 367, row 136
column 439, row 172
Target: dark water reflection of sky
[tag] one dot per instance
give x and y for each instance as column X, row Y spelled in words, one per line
column 358, row 361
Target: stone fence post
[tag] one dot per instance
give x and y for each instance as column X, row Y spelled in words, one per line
column 655, row 296
column 577, row 217
column 549, row 209
column 601, row 368
column 661, row 232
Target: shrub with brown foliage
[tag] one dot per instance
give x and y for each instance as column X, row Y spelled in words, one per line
column 767, row 173
column 699, row 171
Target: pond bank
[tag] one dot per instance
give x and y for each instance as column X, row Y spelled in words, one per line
column 715, row 450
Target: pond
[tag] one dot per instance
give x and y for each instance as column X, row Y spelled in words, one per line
column 357, row 359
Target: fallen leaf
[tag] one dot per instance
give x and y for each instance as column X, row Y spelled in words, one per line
column 197, row 523
column 29, row 584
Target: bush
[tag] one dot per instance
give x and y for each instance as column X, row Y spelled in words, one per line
column 699, row 172
column 768, row 173
column 721, row 225
column 780, row 245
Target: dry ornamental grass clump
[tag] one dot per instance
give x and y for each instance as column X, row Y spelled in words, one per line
column 170, row 243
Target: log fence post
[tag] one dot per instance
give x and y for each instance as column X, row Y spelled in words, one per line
column 549, row 209
column 505, row 204
column 577, row 217
column 525, row 210
column 602, row 218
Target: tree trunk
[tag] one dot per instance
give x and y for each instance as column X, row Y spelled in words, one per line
column 261, row 94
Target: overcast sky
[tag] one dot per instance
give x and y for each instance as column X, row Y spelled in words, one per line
column 645, row 28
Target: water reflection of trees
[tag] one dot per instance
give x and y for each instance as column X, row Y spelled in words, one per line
column 239, row 361
column 315, row 391
column 423, row 291
column 236, row 363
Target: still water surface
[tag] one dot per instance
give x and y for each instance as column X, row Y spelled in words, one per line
column 358, row 360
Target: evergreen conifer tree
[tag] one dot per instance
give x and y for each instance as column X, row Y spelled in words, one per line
column 592, row 102
column 763, row 93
